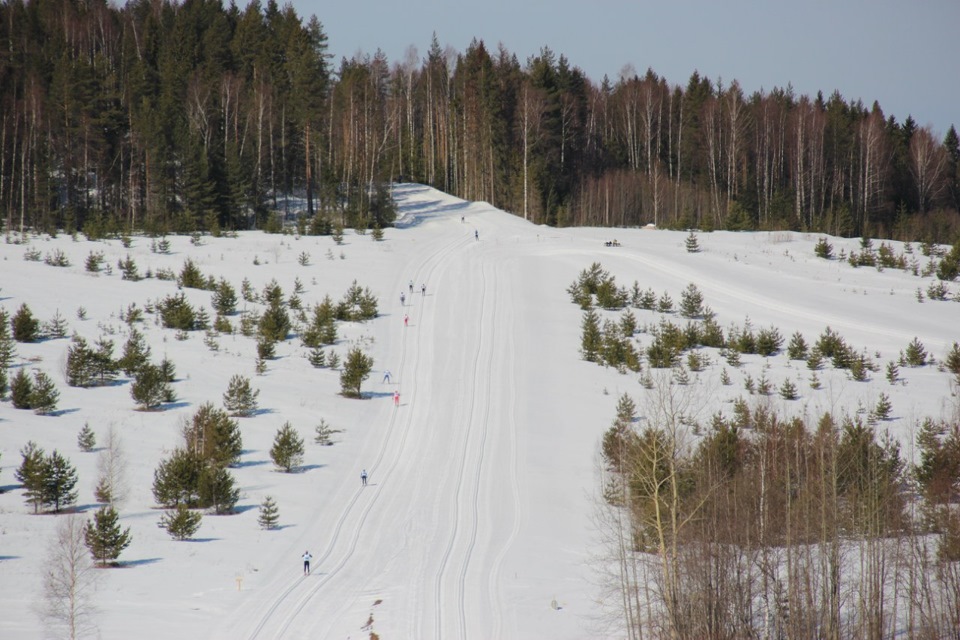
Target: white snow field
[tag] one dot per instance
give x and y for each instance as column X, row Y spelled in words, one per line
column 477, row 520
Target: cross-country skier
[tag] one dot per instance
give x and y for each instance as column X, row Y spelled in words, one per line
column 411, row 286
column 476, row 234
column 396, row 398
column 386, row 375
column 423, row 289
column 403, row 298
column 306, row 562
column 363, row 477
column 406, row 319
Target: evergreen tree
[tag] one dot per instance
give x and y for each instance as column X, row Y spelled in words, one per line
column 86, row 439
column 356, row 369
column 176, row 312
column 176, row 479
column 317, row 357
column 691, row 302
column 952, row 361
column 240, row 399
column 103, row 366
column 150, row 388
column 797, row 349
column 266, row 348
column 104, row 538
column 44, row 395
column 136, row 353
column 893, row 372
column 32, row 474
column 57, row 327
column 60, row 478
column 26, row 328
column 217, row 489
column 224, row 298
column 591, row 337
column 8, row 347
column 883, row 408
column 190, row 276
column 823, row 249
column 181, row 523
column 916, row 354
column 213, row 436
column 287, row 450
column 691, row 243
column 21, row 390
column 269, row 517
column 79, row 368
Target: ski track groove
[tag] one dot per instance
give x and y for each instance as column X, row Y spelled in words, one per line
column 493, row 578
column 436, row 259
column 454, row 535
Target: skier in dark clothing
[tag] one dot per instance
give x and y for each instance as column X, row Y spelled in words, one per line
column 306, row 562
column 363, row 477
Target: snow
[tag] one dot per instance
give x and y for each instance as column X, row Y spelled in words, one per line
column 478, row 518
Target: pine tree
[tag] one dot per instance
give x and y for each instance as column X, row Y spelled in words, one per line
column 8, row 348
column 356, row 369
column 240, row 399
column 591, row 337
column 788, row 390
column 893, row 372
column 32, row 474
column 691, row 243
column 266, row 348
column 57, row 327
column 317, row 357
column 136, row 353
column 224, row 298
column 176, row 479
column 44, row 395
column 86, row 439
column 952, row 361
column 213, row 436
column 691, row 302
column 181, row 523
column 823, row 249
column 287, row 450
column 269, row 517
column 21, row 390
column 26, row 328
column 190, row 276
column 149, row 389
column 104, row 538
column 916, row 354
column 79, row 368
column 333, row 360
column 60, row 478
column 217, row 489
column 797, row 349
column 322, row 433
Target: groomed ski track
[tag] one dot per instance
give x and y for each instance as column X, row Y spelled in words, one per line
column 443, row 502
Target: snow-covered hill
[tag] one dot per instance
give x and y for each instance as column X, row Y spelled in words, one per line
column 477, row 519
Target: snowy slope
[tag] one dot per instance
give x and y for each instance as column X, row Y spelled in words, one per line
column 477, row 519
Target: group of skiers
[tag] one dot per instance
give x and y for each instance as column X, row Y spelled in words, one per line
column 403, row 296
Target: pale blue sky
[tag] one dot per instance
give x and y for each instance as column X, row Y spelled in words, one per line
column 904, row 54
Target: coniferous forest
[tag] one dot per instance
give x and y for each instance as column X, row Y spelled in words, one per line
column 190, row 116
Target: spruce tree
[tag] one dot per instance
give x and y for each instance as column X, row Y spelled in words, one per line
column 79, row 368
column 32, row 474
column 823, row 249
column 26, row 328
column 240, row 399
column 44, row 395
column 691, row 243
column 86, row 439
column 213, row 436
column 8, row 348
column 317, row 357
column 60, row 479
column 952, row 361
column 893, row 372
column 287, row 450
column 269, row 516
column 356, row 369
column 181, row 523
column 916, row 354
column 57, row 327
column 190, row 276
column 797, row 349
column 104, row 538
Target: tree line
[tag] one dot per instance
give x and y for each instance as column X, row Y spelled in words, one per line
column 192, row 116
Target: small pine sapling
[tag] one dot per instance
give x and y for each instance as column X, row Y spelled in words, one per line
column 893, row 372
column 788, row 390
column 883, row 408
column 287, row 450
column 86, row 439
column 269, row 517
column 323, row 433
column 691, row 243
column 240, row 399
column 104, row 538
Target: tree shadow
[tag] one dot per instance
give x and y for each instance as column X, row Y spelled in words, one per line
column 308, row 467
column 62, row 412
column 249, row 463
column 138, row 563
column 4, row 558
column 200, row 540
column 244, row 508
column 173, row 405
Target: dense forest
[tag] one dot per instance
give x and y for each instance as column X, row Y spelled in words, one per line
column 166, row 116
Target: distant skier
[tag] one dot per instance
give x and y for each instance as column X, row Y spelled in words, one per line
column 423, row 289
column 463, row 219
column 306, row 562
column 411, row 286
column 386, row 375
column 396, row 398
column 406, row 320
column 363, row 477
column 476, row 234
column 403, row 298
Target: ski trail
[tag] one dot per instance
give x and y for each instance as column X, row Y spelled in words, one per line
column 494, row 588
column 395, row 439
column 465, row 517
